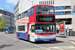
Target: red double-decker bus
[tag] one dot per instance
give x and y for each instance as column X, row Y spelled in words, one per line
column 37, row 24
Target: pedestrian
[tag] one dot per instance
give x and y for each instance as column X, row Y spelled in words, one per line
column 67, row 31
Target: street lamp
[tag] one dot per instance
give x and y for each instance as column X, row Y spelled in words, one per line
column 31, row 1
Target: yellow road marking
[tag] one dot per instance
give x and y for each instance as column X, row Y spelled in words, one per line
column 72, row 42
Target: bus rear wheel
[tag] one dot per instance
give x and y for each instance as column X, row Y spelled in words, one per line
column 18, row 36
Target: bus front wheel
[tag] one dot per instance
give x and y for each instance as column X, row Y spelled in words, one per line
column 28, row 37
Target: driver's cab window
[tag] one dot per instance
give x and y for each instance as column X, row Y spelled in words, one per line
column 32, row 28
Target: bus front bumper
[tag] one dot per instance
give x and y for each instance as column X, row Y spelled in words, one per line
column 50, row 39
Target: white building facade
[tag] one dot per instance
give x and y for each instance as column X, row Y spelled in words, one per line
column 63, row 9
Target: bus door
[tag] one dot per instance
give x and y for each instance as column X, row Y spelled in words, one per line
column 6, row 30
column 32, row 32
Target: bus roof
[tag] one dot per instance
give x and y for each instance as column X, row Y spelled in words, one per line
column 42, row 5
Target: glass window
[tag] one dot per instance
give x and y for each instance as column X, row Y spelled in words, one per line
column 53, row 2
column 68, row 12
column 56, row 13
column 63, row 7
column 25, row 14
column 67, row 7
column 49, row 2
column 63, row 13
column 6, row 29
column 59, row 13
column 28, row 13
column 11, row 28
column 60, row 8
column 21, row 28
column 68, row 21
column 32, row 28
column 45, row 2
column 32, row 11
column 73, row 10
column 39, row 2
column 56, row 8
column 44, row 10
column 45, row 28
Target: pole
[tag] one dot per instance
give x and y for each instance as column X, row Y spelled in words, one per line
column 32, row 2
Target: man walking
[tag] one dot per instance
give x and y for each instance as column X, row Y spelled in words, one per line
column 67, row 31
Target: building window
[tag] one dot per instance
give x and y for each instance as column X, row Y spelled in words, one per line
column 67, row 7
column 59, row 13
column 53, row 2
column 45, row 2
column 68, row 12
column 60, row 8
column 39, row 2
column 68, row 21
column 49, row 2
column 21, row 28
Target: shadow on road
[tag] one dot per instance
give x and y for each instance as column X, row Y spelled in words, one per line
column 45, row 42
column 5, row 45
column 9, row 33
column 49, row 42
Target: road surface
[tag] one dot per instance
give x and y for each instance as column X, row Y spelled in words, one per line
column 10, row 42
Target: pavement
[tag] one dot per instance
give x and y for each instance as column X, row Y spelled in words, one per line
column 71, row 38
column 55, row 48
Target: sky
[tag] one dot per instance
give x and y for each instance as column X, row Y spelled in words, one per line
column 8, row 5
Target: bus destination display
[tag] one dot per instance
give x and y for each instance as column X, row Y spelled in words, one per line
column 45, row 18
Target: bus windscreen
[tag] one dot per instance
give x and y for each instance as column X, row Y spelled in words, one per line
column 11, row 28
column 45, row 28
column 44, row 10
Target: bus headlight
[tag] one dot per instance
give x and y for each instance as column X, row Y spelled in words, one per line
column 36, row 36
column 54, row 36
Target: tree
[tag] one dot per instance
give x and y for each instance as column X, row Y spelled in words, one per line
column 3, row 23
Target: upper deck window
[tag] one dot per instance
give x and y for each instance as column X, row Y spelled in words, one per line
column 44, row 10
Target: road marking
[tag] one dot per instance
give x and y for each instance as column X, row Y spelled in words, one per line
column 57, row 48
column 72, row 42
column 27, row 42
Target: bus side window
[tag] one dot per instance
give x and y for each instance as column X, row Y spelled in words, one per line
column 21, row 28
column 32, row 28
